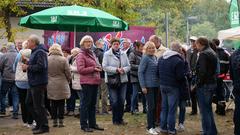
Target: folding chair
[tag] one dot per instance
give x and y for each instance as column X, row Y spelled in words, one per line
column 227, row 82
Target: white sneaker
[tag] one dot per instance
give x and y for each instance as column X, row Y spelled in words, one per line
column 25, row 124
column 157, row 129
column 181, row 127
column 34, row 123
column 152, row 131
column 30, row 126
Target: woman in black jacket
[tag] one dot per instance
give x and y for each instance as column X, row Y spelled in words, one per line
column 134, row 59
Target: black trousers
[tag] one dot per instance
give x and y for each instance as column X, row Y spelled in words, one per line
column 88, row 105
column 47, row 104
column 151, row 98
column 236, row 117
column 26, row 115
column 194, row 101
column 35, row 101
column 128, row 96
column 57, row 107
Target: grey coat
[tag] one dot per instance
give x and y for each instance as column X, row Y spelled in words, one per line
column 59, row 77
column 6, row 64
column 134, row 59
column 111, row 63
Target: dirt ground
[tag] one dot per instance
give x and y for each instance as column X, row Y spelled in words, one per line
column 136, row 125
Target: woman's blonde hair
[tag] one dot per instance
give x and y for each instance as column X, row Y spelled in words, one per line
column 75, row 51
column 25, row 44
column 86, row 37
column 147, row 45
column 55, row 49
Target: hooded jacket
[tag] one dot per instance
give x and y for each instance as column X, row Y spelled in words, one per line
column 171, row 69
column 38, row 67
column 6, row 64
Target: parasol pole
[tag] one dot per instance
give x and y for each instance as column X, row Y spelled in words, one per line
column 74, row 36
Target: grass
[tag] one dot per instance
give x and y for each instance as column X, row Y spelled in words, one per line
column 136, row 126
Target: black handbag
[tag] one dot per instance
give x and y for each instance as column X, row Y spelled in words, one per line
column 114, row 81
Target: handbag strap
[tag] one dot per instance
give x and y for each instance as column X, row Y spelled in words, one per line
column 120, row 64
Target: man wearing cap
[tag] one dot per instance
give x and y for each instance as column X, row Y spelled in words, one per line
column 192, row 55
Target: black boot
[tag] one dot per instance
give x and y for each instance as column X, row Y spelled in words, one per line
column 61, row 123
column 55, row 123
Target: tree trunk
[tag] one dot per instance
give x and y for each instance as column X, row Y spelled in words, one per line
column 97, row 3
column 6, row 20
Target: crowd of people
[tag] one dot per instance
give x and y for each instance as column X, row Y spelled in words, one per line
column 45, row 81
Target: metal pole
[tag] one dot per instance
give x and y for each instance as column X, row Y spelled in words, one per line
column 74, row 36
column 187, row 37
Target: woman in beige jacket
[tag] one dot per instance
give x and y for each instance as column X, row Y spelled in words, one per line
column 59, row 77
column 75, row 85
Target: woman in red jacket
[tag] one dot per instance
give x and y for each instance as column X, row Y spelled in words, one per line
column 89, row 71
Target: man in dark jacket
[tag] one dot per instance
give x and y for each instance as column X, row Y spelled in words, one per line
column 223, row 57
column 126, row 47
column 235, row 76
column 206, row 70
column 172, row 75
column 37, row 70
column 192, row 60
column 102, row 89
column 8, row 80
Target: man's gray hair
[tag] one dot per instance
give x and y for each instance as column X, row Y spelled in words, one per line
column 175, row 46
column 34, row 38
column 154, row 38
column 10, row 45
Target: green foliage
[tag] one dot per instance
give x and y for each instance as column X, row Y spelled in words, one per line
column 124, row 9
column 205, row 29
column 154, row 15
column 8, row 7
column 213, row 11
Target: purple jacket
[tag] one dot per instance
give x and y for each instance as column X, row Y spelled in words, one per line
column 86, row 63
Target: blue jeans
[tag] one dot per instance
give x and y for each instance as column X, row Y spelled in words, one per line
column 88, row 105
column 236, row 117
column 182, row 111
column 10, row 88
column 170, row 98
column 134, row 100
column 151, row 99
column 117, row 99
column 204, row 96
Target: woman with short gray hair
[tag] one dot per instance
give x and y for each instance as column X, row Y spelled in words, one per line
column 89, row 70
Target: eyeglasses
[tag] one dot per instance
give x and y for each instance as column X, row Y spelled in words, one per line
column 116, row 43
